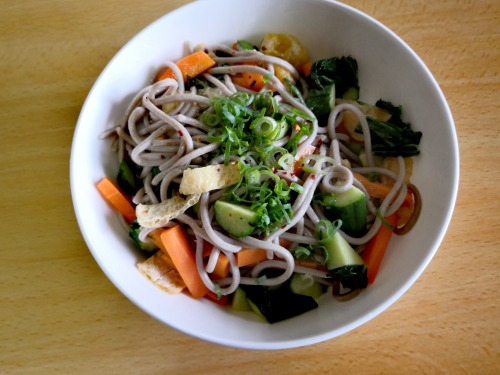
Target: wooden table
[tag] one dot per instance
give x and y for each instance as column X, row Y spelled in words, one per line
column 59, row 314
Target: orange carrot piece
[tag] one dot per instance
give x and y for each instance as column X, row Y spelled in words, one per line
column 190, row 66
column 248, row 257
column 380, row 190
column 155, row 237
column 207, row 249
column 221, row 269
column 249, row 80
column 116, row 198
column 375, row 248
column 176, row 242
column 305, row 69
column 222, row 300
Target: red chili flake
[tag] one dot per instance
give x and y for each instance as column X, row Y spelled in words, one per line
column 218, row 169
column 275, row 170
column 285, row 172
column 263, row 48
column 180, row 133
column 320, row 142
column 313, row 177
column 253, row 83
column 283, row 226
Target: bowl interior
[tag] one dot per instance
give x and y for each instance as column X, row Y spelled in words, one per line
column 388, row 69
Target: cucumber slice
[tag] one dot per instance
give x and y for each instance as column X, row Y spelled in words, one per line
column 304, row 285
column 350, row 207
column 349, row 197
column 255, row 309
column 235, row 219
column 340, row 253
column 240, row 302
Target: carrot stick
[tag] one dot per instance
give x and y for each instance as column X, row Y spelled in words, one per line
column 116, row 198
column 222, row 300
column 247, row 257
column 375, row 248
column 249, row 80
column 190, row 66
column 155, row 237
column 379, row 190
column 221, row 269
column 176, row 242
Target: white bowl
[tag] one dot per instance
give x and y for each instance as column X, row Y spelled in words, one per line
column 388, row 69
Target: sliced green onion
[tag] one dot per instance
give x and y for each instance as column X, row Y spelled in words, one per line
column 302, row 114
column 210, row 119
column 264, row 147
column 318, row 164
column 274, row 156
column 383, row 219
column 264, row 126
column 218, row 291
column 324, row 231
column 286, row 161
column 281, row 189
column 243, row 98
column 296, row 187
column 253, row 176
column 301, row 253
column 267, row 77
column 325, row 199
column 216, row 135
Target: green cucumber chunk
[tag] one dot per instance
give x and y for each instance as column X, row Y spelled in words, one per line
column 235, row 219
column 350, row 207
column 306, row 286
column 240, row 302
column 341, row 253
column 345, row 264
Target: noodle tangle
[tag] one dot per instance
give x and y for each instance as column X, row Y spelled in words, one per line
column 166, row 131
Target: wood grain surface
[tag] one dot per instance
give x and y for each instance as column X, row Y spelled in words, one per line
column 59, row 314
